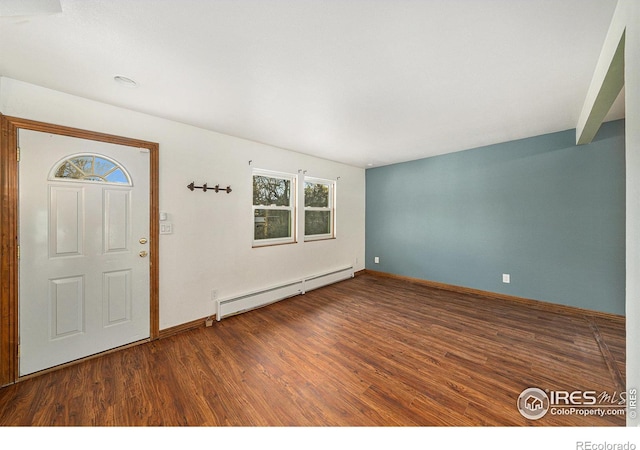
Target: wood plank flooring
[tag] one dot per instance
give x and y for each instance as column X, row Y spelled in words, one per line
column 370, row 351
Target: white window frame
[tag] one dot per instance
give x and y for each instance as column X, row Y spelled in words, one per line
column 331, row 208
column 291, row 208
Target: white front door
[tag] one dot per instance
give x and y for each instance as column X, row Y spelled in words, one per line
column 83, row 231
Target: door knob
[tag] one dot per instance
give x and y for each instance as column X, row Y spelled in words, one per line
column 143, row 254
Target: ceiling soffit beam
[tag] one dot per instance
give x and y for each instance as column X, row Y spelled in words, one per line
column 611, row 86
column 607, row 81
column 29, row 8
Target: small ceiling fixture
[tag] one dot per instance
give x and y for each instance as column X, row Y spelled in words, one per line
column 128, row 82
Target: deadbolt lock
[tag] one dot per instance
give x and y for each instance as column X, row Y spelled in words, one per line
column 143, row 240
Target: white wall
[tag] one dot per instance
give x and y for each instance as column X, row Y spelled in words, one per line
column 210, row 247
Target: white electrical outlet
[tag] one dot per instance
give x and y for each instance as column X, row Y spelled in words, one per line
column 166, row 228
column 376, row 260
column 506, row 278
column 214, row 295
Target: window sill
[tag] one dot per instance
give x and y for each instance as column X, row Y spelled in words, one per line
column 328, row 238
column 272, row 244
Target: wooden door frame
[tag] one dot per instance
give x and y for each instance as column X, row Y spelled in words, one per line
column 9, row 231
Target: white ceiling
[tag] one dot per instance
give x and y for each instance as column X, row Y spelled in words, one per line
column 364, row 82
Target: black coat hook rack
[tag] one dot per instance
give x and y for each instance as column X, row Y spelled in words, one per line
column 206, row 188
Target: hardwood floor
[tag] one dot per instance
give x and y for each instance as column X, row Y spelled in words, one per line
column 371, row 351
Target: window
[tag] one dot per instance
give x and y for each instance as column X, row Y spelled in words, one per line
column 91, row 168
column 274, row 199
column 319, row 200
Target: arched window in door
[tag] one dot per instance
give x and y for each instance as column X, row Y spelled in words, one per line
column 90, row 167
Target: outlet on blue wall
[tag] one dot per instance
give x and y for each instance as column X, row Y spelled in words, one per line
column 548, row 212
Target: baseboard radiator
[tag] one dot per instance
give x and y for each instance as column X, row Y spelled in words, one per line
column 246, row 302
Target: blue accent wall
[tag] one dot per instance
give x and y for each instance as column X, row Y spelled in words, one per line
column 549, row 213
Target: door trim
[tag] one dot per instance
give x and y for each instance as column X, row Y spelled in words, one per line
column 9, row 199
